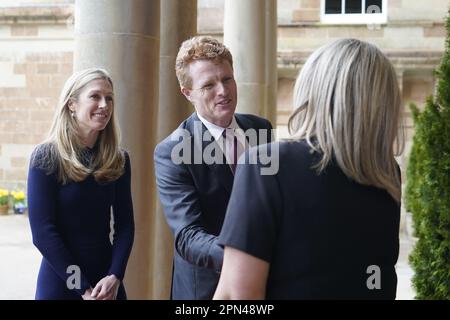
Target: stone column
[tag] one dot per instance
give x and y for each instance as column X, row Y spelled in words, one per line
column 123, row 37
column 271, row 61
column 178, row 23
column 244, row 35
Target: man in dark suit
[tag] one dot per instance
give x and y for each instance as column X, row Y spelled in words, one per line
column 195, row 165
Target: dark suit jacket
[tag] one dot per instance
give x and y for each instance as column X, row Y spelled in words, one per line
column 195, row 198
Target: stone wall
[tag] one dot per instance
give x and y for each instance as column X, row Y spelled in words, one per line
column 413, row 38
column 36, row 52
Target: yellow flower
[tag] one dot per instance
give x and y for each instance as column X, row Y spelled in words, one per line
column 18, row 196
column 4, row 195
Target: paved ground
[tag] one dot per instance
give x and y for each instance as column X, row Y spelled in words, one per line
column 19, row 259
column 20, row 262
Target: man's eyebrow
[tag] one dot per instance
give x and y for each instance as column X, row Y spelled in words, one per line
column 206, row 80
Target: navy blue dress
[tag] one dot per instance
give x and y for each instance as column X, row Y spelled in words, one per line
column 323, row 235
column 72, row 228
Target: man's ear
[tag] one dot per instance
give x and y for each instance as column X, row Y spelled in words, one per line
column 186, row 92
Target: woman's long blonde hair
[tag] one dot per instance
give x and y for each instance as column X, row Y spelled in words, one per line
column 348, row 108
column 63, row 148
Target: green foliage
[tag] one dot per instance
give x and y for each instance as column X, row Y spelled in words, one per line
column 428, row 188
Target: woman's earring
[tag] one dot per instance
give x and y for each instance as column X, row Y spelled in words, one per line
column 72, row 113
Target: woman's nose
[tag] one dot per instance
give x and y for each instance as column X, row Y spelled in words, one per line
column 103, row 103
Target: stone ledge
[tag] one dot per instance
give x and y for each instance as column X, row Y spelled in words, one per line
column 390, row 23
column 37, row 14
column 426, row 59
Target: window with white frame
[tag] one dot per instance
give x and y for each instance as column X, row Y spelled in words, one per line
column 353, row 11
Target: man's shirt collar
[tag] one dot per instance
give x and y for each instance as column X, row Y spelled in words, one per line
column 215, row 130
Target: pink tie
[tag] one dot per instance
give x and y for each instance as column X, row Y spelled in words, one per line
column 234, row 161
column 233, row 158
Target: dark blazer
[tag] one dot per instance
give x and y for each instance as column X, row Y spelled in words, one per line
column 195, row 198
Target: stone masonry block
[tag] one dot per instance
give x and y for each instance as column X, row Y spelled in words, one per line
column 47, row 68
column 395, row 4
column 434, row 31
column 360, row 32
column 16, row 103
column 15, row 174
column 14, row 92
column 43, row 92
column 25, row 68
column 42, row 127
column 22, row 138
column 18, row 162
column 40, row 115
column 310, row 4
column 306, row 15
column 66, row 68
column 6, row 137
column 15, row 114
column 38, row 81
column 24, row 30
column 57, row 81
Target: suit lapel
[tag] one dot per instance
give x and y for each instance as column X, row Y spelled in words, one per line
column 243, row 122
column 247, row 124
column 222, row 171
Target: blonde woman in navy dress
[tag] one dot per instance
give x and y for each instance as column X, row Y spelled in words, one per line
column 79, row 179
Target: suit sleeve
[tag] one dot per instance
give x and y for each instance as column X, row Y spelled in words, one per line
column 181, row 205
column 123, row 223
column 46, row 236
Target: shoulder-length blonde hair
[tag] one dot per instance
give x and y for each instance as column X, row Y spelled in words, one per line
column 348, row 108
column 65, row 148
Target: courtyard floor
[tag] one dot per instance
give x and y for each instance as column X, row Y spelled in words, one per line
column 20, row 262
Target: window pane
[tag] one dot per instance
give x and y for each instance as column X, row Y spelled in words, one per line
column 353, row 6
column 333, row 6
column 374, row 6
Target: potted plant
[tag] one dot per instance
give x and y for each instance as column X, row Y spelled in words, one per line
column 19, row 202
column 4, row 201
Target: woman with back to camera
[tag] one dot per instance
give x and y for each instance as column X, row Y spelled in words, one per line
column 326, row 225
column 78, row 179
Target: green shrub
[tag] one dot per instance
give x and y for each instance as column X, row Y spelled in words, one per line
column 428, row 188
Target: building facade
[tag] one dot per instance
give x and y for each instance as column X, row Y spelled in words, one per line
column 42, row 42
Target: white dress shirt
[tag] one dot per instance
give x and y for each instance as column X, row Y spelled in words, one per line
column 232, row 130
